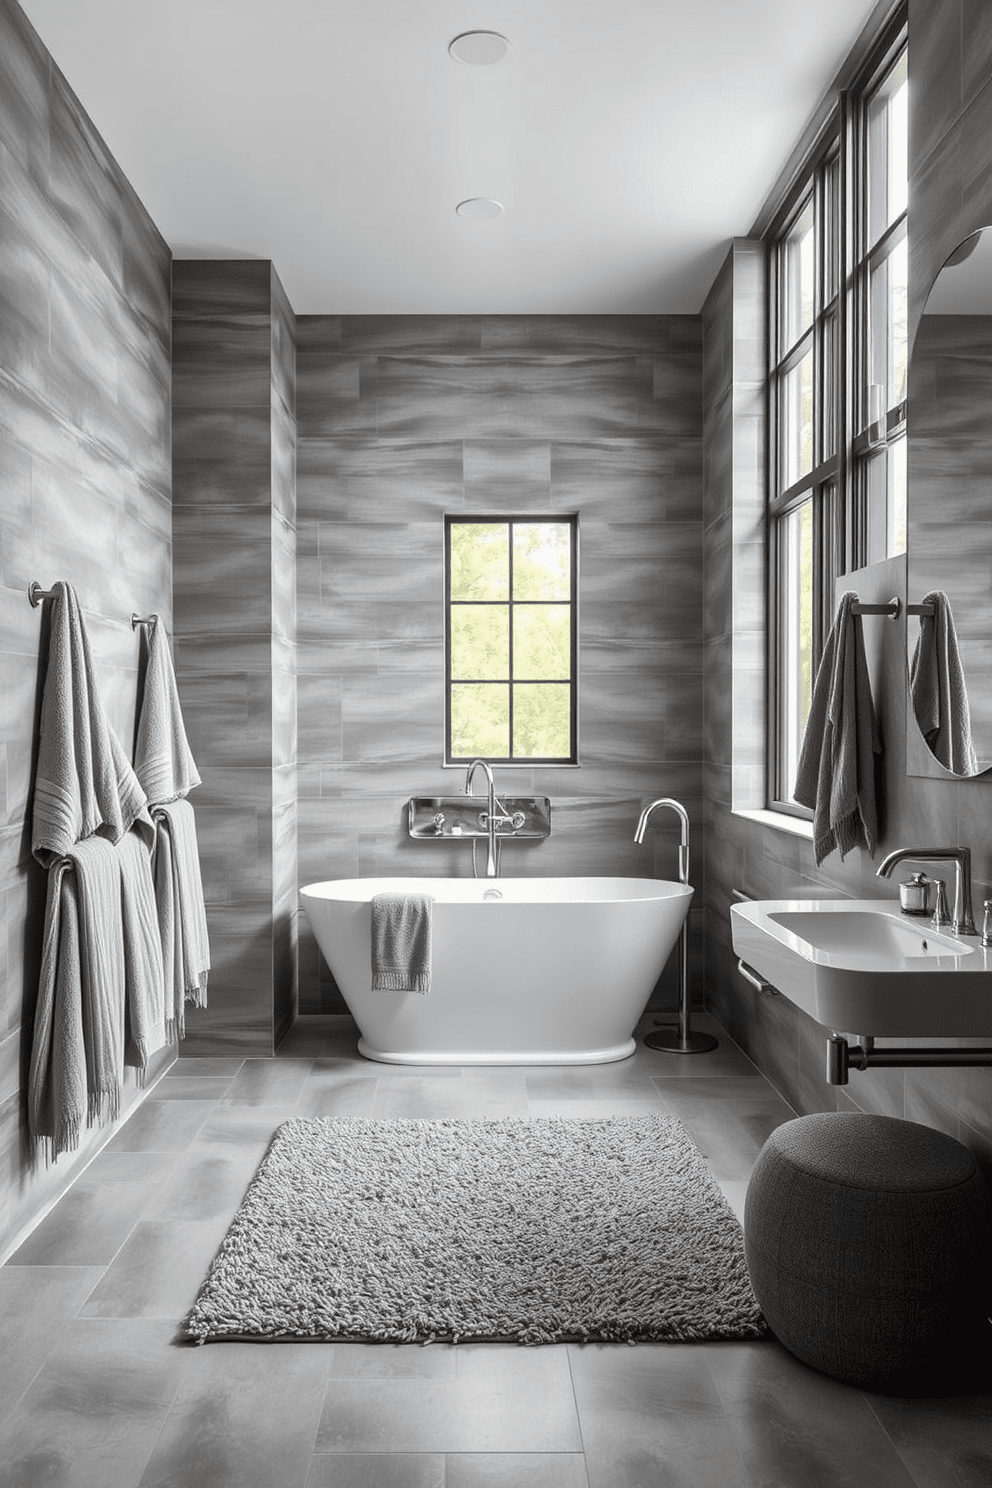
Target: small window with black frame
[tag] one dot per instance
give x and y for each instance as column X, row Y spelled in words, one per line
column 511, row 639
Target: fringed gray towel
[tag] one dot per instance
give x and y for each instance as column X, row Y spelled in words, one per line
column 181, row 914
column 401, row 942
column 937, row 685
column 163, row 761
column 77, row 1054
column 836, row 773
column 90, row 829
column 165, row 766
column 145, row 1026
column 83, row 782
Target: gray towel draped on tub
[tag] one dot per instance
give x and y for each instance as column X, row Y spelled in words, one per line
column 836, row 774
column 100, row 998
column 401, row 942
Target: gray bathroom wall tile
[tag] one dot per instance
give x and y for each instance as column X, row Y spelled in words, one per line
column 369, row 560
column 587, row 335
column 25, row 110
column 337, row 394
column 397, row 479
column 385, row 334
column 203, row 288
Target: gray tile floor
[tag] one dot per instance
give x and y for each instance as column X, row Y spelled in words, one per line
column 94, row 1393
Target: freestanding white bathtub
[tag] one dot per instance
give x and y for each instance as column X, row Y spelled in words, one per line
column 524, row 970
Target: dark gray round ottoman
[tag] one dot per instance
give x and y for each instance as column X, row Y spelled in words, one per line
column 869, row 1242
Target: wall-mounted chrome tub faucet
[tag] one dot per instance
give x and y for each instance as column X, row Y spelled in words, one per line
column 680, row 1039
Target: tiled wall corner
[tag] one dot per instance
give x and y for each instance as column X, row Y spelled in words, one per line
column 234, row 517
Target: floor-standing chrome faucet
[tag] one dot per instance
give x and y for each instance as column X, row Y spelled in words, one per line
column 492, row 865
column 680, row 1039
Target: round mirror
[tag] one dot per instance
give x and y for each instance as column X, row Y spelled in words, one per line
column 950, row 515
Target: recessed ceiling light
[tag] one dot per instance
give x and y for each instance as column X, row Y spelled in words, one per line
column 479, row 207
column 480, row 48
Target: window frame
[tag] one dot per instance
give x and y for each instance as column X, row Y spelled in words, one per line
column 529, row 519
column 837, row 484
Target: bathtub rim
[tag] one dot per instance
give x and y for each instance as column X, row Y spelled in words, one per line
column 366, row 887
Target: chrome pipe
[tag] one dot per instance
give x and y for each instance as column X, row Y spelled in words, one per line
column 492, row 863
column 683, row 1040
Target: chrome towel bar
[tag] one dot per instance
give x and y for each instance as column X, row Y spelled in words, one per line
column 893, row 608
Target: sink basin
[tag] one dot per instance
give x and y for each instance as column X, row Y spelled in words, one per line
column 859, row 966
column 845, row 931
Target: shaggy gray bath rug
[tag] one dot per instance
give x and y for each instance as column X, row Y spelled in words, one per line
column 512, row 1230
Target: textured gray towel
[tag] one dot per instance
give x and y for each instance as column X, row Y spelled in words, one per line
column 836, row 774
column 83, row 783
column 401, row 942
column 57, row 1095
column 163, row 762
column 166, row 769
column 145, row 1023
column 77, row 1053
column 181, row 914
column 937, row 686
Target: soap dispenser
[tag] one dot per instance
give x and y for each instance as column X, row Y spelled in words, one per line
column 914, row 895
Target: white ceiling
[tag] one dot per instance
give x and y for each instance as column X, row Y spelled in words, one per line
column 629, row 140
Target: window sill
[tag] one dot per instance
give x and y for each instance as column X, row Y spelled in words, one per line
column 796, row 826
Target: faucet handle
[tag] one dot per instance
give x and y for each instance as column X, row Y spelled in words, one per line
column 941, row 914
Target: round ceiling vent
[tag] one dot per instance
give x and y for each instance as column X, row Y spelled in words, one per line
column 480, row 48
column 479, row 207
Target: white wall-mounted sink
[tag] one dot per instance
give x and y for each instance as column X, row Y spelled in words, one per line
column 860, row 966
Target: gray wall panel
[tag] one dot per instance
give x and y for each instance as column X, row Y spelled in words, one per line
column 85, row 486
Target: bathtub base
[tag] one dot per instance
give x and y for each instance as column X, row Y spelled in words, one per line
column 498, row 1056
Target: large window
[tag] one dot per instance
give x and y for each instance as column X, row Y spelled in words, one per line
column 836, row 383
column 510, row 643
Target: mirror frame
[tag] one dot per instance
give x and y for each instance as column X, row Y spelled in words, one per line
column 920, row 761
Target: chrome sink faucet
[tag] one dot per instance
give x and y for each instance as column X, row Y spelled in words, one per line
column 962, row 919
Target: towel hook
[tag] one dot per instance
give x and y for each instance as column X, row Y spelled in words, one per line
column 137, row 620
column 36, row 594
